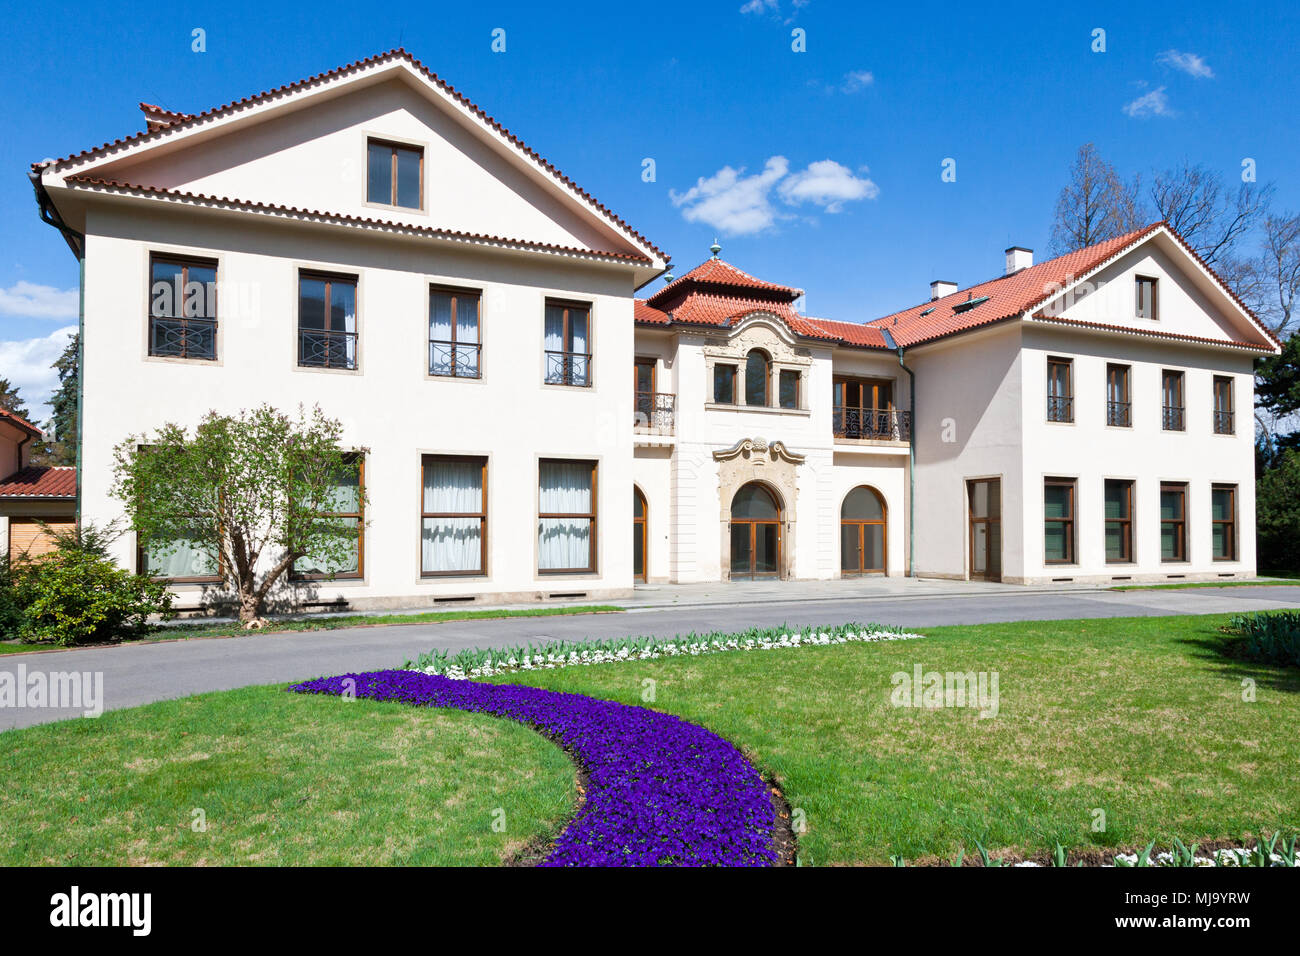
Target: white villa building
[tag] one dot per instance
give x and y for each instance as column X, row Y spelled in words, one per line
column 369, row 241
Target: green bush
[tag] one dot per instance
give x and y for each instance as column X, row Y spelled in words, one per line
column 1270, row 638
column 12, row 602
column 77, row 595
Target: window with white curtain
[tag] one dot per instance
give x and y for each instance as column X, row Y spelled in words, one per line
column 566, row 516
column 453, row 534
column 181, row 560
column 454, row 345
column 342, row 507
column 567, row 344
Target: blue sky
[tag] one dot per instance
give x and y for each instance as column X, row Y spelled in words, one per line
column 820, row 168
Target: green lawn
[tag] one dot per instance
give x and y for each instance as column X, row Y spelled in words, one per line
column 282, row 779
column 1137, row 717
column 1142, row 718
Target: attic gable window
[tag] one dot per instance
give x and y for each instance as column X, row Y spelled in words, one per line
column 395, row 174
column 1145, row 288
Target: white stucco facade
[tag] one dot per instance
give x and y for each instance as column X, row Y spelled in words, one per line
column 277, row 189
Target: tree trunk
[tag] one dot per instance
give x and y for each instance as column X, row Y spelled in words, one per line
column 250, row 605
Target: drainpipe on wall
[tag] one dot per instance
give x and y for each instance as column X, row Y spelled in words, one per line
column 911, row 455
column 77, row 243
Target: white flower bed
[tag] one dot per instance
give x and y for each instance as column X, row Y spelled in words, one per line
column 690, row 646
column 1231, row 856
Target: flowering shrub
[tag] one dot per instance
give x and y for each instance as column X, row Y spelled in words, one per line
column 661, row 791
column 553, row 654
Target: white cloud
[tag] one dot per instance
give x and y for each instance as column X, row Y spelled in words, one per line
column 38, row 301
column 856, row 80
column 736, row 204
column 1155, row 103
column 760, row 6
column 1188, row 63
column 27, row 364
column 827, row 184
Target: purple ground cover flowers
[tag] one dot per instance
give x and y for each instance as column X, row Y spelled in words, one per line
column 661, row 791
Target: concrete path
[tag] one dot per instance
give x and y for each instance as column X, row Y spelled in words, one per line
column 140, row 673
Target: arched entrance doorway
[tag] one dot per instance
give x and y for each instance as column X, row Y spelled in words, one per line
column 755, row 533
column 862, row 532
column 639, row 512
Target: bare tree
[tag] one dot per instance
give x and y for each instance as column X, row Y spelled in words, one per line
column 1212, row 219
column 1274, row 285
column 1097, row 204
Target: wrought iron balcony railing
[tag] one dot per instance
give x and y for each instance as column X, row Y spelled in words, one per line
column 885, row 424
column 457, row 359
column 654, row 412
column 1223, row 423
column 1060, row 408
column 1119, row 414
column 183, row 338
column 568, row 368
column 1172, row 419
column 326, row 348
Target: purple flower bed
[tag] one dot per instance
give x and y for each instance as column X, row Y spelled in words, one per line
column 661, row 791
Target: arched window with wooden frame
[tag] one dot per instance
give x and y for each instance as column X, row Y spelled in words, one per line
column 640, row 512
column 755, row 533
column 758, row 369
column 863, row 532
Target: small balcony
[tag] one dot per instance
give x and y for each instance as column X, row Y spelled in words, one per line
column 193, row 338
column 325, row 348
column 876, row 424
column 1119, row 414
column 1172, row 418
column 454, row 359
column 568, row 368
column 654, row 412
column 1060, row 408
column 1223, row 423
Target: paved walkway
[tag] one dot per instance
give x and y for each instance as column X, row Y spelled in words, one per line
column 140, row 673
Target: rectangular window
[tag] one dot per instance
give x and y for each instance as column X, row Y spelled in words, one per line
column 1060, row 394
column 184, row 562
column 1145, row 288
column 343, row 507
column 1173, row 522
column 182, row 307
column 788, row 388
column 1119, row 521
column 455, row 346
column 1223, row 515
column 1172, row 412
column 1058, row 520
column 1119, row 406
column 566, row 516
column 568, row 347
column 724, row 384
column 1223, row 417
column 327, row 321
column 395, row 174
column 453, row 506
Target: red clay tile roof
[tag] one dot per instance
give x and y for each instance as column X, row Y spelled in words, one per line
column 854, row 333
column 722, row 311
column 1154, row 333
column 289, row 88
column 41, row 481
column 157, row 117
column 345, row 219
column 1007, row 296
column 19, row 422
column 722, row 278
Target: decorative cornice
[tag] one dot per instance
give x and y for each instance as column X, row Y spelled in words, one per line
column 748, row 447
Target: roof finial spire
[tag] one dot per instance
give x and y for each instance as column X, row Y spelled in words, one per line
column 715, row 248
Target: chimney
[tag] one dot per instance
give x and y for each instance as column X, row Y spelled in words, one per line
column 940, row 287
column 1018, row 257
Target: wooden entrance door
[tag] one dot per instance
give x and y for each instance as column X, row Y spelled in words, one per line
column 984, row 500
column 639, row 512
column 755, row 533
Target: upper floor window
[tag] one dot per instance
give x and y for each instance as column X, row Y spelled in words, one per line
column 1060, row 394
column 788, row 388
column 1171, row 388
column 1223, row 418
column 182, row 307
column 327, row 321
column 1145, row 290
column 757, row 369
column 568, row 355
column 344, row 508
column 724, row 384
column 454, row 343
column 1119, row 404
column 395, row 174
column 864, row 408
